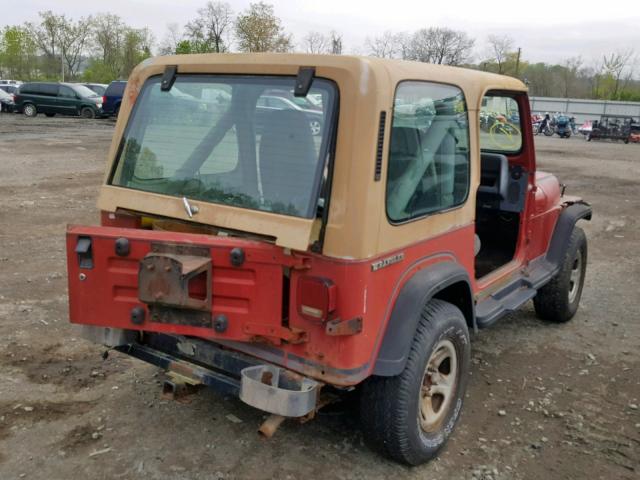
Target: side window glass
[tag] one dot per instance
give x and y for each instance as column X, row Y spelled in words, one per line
column 500, row 128
column 429, row 159
column 51, row 90
column 66, row 92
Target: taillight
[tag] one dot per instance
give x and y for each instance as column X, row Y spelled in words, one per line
column 316, row 298
column 104, row 99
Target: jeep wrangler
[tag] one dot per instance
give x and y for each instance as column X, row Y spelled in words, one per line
column 286, row 228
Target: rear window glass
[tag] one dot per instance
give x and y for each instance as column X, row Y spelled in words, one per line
column 84, row 91
column 116, row 89
column 223, row 139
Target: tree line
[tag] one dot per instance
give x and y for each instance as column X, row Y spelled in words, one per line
column 103, row 47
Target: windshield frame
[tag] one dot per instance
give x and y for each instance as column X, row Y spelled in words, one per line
column 326, row 153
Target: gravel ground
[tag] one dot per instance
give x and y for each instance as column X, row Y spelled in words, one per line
column 544, row 401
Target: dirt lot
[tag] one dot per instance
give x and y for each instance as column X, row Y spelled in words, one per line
column 570, row 393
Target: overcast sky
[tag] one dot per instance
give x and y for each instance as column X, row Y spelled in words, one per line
column 548, row 30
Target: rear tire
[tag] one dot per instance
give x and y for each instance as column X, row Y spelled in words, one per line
column 30, row 110
column 87, row 113
column 559, row 299
column 409, row 417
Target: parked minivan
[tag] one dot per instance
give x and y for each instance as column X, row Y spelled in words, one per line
column 58, row 98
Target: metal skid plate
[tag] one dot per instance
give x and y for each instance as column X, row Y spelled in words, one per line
column 279, row 391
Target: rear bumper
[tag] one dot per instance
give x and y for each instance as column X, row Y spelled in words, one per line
column 223, row 383
column 266, row 387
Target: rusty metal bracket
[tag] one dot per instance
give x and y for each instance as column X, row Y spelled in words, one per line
column 164, row 280
column 339, row 327
column 179, row 388
column 291, row 335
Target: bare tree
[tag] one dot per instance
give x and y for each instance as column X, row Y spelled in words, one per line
column 259, row 30
column 210, row 30
column 46, row 35
column 108, row 31
column 439, row 45
column 452, row 47
column 171, row 40
column 61, row 40
column 74, row 40
column 336, row 42
column 569, row 74
column 387, row 45
column 500, row 47
column 316, row 42
column 618, row 65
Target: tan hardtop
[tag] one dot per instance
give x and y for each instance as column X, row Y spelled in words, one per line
column 357, row 227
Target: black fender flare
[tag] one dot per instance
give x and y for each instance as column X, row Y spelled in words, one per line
column 562, row 232
column 404, row 318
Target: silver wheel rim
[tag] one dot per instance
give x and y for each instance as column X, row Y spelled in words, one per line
column 575, row 277
column 315, row 127
column 29, row 110
column 438, row 386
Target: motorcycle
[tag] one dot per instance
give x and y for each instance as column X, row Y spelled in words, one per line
column 563, row 126
column 547, row 131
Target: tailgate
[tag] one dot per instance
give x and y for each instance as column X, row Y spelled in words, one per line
column 181, row 283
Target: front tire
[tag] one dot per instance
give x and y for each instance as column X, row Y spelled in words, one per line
column 409, row 417
column 30, row 110
column 559, row 299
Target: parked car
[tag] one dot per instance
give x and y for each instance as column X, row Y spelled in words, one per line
column 112, row 97
column 10, row 82
column 99, row 88
column 288, row 269
column 58, row 98
column 270, row 103
column 6, row 102
column 12, row 89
